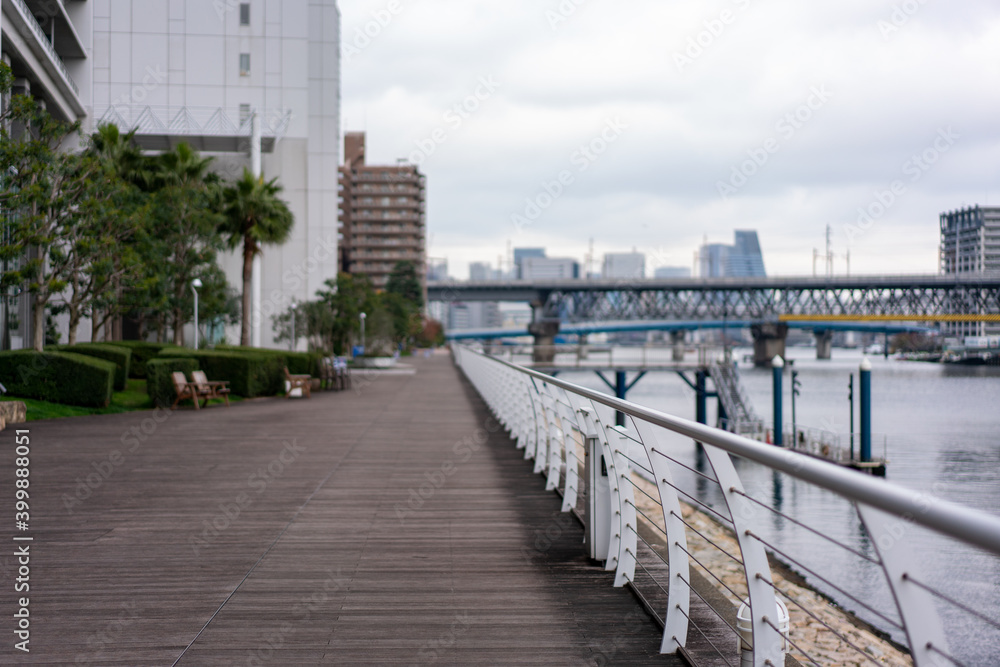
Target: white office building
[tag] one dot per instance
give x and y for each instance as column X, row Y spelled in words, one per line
column 624, row 265
column 549, row 268
column 199, row 71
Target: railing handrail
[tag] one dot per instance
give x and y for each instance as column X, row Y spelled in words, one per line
column 972, row 526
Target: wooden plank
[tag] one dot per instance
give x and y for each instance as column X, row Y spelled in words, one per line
column 388, row 524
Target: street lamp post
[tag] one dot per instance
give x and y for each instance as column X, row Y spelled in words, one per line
column 195, row 284
column 363, row 316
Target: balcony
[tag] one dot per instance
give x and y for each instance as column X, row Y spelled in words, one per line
column 35, row 55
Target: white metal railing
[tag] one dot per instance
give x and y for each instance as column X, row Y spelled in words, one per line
column 193, row 120
column 554, row 420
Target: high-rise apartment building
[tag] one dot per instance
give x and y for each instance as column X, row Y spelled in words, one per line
column 382, row 215
column 201, row 72
column 970, row 243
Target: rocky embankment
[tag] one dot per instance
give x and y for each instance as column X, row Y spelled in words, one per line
column 818, row 640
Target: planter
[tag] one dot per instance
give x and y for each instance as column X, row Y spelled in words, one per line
column 374, row 362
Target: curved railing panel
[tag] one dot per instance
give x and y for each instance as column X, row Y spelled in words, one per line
column 552, row 419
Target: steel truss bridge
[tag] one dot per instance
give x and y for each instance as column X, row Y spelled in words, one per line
column 912, row 298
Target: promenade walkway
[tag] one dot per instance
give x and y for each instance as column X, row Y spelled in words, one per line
column 390, row 524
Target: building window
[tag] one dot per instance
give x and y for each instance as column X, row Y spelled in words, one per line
column 244, row 13
column 244, row 113
column 244, row 64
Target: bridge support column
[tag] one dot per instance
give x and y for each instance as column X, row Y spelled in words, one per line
column 824, row 344
column 581, row 350
column 545, row 341
column 768, row 342
column 677, row 340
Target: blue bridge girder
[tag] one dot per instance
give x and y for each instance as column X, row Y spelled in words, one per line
column 902, row 298
column 585, row 328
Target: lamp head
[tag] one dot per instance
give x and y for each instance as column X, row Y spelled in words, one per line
column 196, row 283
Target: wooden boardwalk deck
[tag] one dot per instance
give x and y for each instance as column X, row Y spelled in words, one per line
column 389, row 524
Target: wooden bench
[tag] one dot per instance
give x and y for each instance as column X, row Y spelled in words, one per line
column 302, row 382
column 209, row 389
column 185, row 390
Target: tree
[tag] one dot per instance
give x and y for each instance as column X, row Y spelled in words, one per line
column 254, row 217
column 346, row 298
column 185, row 221
column 48, row 194
column 107, row 243
column 404, row 281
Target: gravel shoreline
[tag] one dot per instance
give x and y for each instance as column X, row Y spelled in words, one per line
column 822, row 644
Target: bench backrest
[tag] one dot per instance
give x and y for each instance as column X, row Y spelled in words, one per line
column 180, row 382
column 200, row 379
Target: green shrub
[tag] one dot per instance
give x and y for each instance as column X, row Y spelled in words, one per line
column 58, row 377
column 299, row 363
column 141, row 353
column 120, row 355
column 159, row 382
column 248, row 374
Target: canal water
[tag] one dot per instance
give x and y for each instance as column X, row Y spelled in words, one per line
column 939, row 426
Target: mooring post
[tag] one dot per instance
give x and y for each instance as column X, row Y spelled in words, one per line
column 701, row 398
column 866, row 410
column 850, row 398
column 621, row 388
column 777, row 366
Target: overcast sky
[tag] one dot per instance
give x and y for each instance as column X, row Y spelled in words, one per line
column 697, row 118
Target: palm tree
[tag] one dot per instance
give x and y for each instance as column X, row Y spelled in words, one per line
column 254, row 216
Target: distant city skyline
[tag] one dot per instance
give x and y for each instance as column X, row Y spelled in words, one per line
column 790, row 118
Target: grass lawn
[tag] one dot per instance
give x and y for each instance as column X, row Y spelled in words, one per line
column 133, row 398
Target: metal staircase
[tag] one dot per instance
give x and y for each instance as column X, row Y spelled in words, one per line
column 740, row 416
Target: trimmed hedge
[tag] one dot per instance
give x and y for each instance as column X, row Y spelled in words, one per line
column 159, row 383
column 58, row 377
column 141, row 353
column 299, row 363
column 121, row 356
column 248, row 374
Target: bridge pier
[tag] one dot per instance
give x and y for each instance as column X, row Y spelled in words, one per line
column 824, row 344
column 768, row 342
column 677, row 340
column 545, row 340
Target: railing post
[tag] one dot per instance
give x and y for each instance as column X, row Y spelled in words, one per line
column 597, row 519
column 916, row 606
column 627, row 527
column 768, row 644
column 675, row 626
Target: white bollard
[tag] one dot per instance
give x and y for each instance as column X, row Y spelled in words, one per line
column 744, row 625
